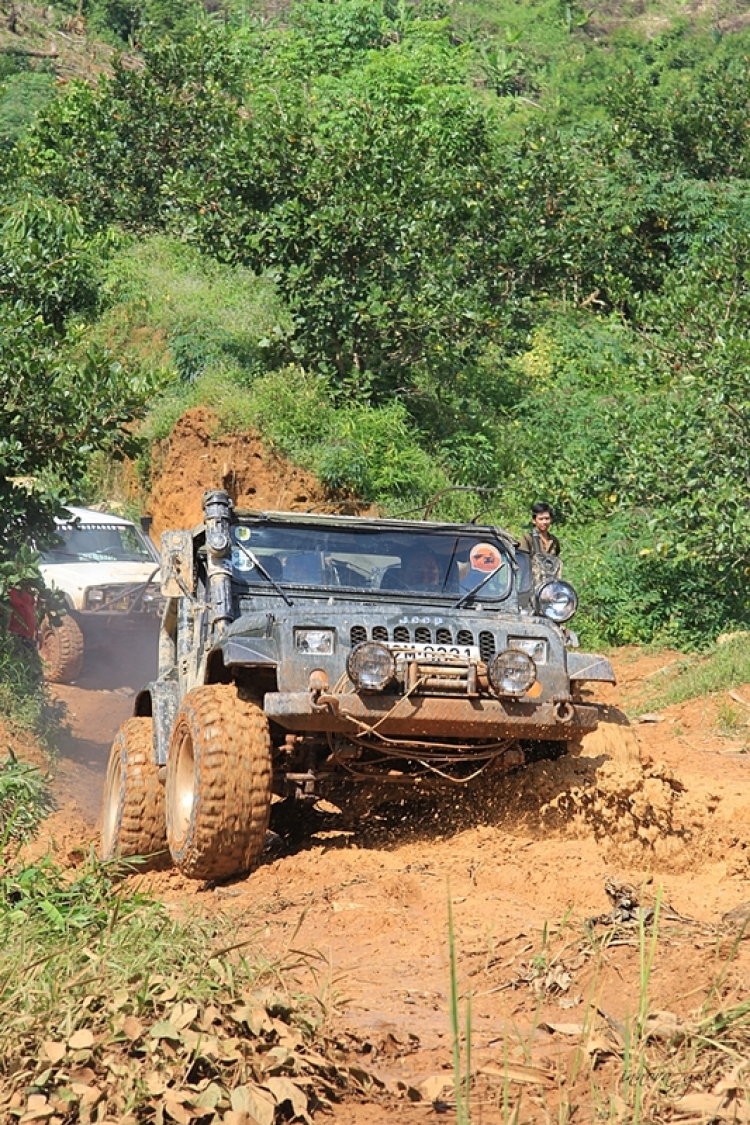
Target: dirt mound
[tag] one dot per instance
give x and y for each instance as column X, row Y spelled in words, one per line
column 196, row 457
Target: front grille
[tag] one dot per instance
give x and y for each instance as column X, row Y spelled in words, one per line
column 422, row 635
column 487, row 646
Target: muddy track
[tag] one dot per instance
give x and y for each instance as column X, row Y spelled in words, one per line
column 529, row 858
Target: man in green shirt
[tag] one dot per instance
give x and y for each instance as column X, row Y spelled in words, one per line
column 540, row 540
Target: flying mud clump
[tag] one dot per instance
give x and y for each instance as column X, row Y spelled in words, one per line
column 637, row 810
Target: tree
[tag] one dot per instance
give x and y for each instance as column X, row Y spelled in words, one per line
column 61, row 398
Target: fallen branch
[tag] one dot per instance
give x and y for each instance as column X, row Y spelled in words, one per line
column 13, row 50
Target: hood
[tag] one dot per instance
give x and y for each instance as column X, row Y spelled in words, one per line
column 74, row 578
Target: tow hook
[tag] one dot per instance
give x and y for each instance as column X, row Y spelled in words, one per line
column 332, row 702
column 565, row 711
column 318, row 684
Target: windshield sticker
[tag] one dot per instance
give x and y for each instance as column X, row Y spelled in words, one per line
column 484, row 557
column 242, row 534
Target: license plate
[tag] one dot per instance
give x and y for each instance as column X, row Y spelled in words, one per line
column 434, row 652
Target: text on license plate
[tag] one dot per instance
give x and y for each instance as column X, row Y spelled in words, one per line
column 434, row 652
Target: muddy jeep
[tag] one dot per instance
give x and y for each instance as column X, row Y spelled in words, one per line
column 306, row 656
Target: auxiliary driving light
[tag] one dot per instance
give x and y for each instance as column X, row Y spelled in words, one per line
column 371, row 666
column 558, row 601
column 321, row 642
column 511, row 672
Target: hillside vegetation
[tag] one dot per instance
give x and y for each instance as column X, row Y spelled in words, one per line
column 503, row 244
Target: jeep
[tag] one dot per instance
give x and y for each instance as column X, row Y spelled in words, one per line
column 307, row 657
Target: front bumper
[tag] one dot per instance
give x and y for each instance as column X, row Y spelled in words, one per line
column 407, row 717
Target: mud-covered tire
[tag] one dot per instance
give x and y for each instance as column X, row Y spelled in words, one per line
column 133, row 818
column 613, row 738
column 61, row 650
column 218, row 784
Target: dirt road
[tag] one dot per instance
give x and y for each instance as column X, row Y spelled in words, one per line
column 524, row 869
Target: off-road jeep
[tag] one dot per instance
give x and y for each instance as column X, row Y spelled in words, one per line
column 312, row 656
column 106, row 570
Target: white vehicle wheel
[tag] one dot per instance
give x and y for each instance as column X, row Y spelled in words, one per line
column 61, row 650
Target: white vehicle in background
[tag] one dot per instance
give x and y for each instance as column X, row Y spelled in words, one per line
column 107, row 570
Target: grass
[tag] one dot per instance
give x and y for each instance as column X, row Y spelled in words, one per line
column 640, row 1066
column 108, row 1000
column 25, row 703
column 24, row 800
column 206, row 313
column 461, row 1059
column 725, row 666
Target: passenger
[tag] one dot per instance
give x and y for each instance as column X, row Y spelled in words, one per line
column 23, row 614
column 540, row 540
column 302, row 569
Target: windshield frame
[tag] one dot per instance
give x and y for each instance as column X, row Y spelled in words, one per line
column 354, row 560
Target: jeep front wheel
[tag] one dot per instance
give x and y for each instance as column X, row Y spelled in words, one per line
column 61, row 650
column 218, row 784
column 133, row 820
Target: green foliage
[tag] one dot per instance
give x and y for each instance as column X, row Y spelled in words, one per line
column 210, row 316
column 365, row 451
column 62, row 397
column 193, row 998
column 24, row 799
column 371, row 452
column 49, row 267
column 24, row 699
column 23, row 95
column 505, row 247
column 128, row 22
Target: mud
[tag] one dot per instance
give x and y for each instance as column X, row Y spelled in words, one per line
column 664, row 805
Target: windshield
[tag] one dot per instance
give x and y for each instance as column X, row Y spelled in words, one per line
column 436, row 563
column 99, row 543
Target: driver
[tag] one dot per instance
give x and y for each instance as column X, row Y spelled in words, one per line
column 421, row 571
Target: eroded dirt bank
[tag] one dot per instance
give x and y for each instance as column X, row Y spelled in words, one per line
column 525, row 866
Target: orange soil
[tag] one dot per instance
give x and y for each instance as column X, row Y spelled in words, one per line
column 194, row 458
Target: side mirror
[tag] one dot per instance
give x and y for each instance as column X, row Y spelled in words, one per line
column 177, row 564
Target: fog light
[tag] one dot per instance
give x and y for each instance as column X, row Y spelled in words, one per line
column 511, row 672
column 371, row 666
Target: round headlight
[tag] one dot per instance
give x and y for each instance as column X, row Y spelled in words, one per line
column 558, row 601
column 371, row 666
column 511, row 672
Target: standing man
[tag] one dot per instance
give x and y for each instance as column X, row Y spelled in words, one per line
column 540, row 540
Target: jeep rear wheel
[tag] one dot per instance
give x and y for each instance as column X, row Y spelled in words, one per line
column 61, row 650
column 133, row 820
column 218, row 784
